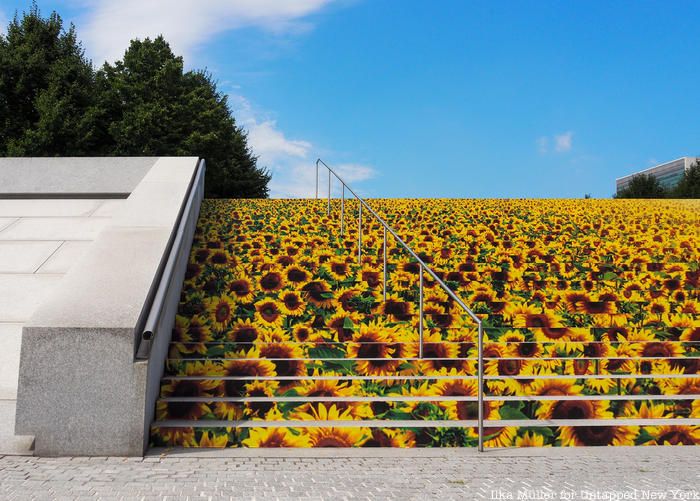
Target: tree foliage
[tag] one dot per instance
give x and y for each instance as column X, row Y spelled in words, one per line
column 153, row 107
column 642, row 186
column 53, row 103
column 46, row 89
column 689, row 185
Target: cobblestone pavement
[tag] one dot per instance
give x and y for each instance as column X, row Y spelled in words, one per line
column 593, row 474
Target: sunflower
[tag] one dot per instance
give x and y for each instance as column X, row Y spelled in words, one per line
column 574, row 409
column 547, row 326
column 343, row 325
column 291, row 303
column 575, row 301
column 387, row 437
column 339, row 269
column 260, row 389
column 662, row 349
column 554, row 387
column 378, row 350
column 269, row 312
column 296, row 276
column 175, row 437
column 464, row 410
column 271, row 281
column 246, row 365
column 275, row 437
column 332, row 436
column 531, row 439
column 187, row 388
column 599, row 307
column 673, row 435
column 333, row 389
column 243, row 331
column 304, row 333
column 213, row 441
column 691, row 335
column 180, row 328
column 241, row 289
column 221, row 311
column 440, row 357
column 318, row 294
column 497, row 437
column 288, row 360
column 690, row 308
column 597, row 435
column 681, row 386
column 371, row 277
column 396, row 309
column 347, row 298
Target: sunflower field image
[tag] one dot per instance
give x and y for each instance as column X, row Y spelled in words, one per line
column 285, row 336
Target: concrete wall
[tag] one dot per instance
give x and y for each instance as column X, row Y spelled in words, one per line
column 72, row 177
column 81, row 392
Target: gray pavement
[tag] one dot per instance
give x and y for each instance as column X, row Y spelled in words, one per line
column 584, row 473
column 39, row 241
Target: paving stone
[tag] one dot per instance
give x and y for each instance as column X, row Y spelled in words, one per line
column 584, row 475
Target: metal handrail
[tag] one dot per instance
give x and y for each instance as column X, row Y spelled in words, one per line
column 423, row 267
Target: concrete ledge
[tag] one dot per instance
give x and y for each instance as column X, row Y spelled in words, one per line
column 81, row 392
column 72, row 177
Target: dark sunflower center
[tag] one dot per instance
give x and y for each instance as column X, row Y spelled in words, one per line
column 245, row 335
column 656, row 350
column 219, row 258
column 572, row 409
column 371, row 277
column 240, row 287
column 291, row 301
column 332, row 442
column 295, row 275
column 509, row 367
column 527, row 349
column 595, row 435
column 271, row 281
column 223, row 312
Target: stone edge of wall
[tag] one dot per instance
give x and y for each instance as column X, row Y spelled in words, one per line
column 72, row 177
column 81, row 391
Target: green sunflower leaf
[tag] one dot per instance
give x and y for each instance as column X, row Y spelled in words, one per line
column 511, row 413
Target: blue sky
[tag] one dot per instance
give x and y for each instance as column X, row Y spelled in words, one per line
column 435, row 99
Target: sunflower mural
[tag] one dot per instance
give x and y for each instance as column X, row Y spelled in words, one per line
column 590, row 308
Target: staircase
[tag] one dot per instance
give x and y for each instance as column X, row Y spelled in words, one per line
column 590, row 312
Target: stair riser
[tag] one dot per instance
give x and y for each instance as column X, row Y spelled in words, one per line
column 173, row 409
column 251, row 386
column 434, row 367
column 423, row 437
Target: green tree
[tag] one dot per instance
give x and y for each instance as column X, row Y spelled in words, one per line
column 689, row 185
column 642, row 186
column 151, row 106
column 46, row 89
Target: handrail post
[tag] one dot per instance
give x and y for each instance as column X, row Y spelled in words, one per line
column 329, row 192
column 420, row 314
column 480, row 379
column 342, row 209
column 384, row 269
column 359, row 235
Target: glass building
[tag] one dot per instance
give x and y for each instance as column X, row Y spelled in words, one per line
column 668, row 173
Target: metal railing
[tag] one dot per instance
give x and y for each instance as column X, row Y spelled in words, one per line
column 423, row 267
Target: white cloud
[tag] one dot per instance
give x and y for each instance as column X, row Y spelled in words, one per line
column 561, row 143
column 109, row 26
column 291, row 161
column 266, row 139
